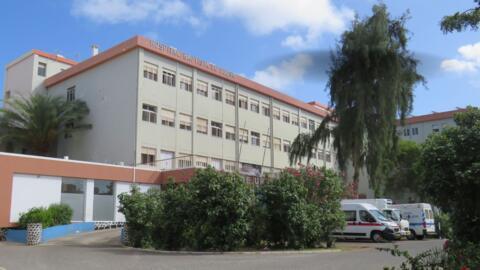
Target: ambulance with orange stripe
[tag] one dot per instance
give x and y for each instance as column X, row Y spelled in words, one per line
column 365, row 221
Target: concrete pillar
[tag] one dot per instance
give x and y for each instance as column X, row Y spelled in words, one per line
column 89, row 194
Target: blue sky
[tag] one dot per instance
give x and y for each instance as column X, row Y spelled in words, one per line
column 270, row 41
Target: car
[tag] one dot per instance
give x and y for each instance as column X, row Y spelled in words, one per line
column 420, row 216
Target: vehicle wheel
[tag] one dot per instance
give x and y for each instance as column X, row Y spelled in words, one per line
column 420, row 237
column 412, row 235
column 377, row 237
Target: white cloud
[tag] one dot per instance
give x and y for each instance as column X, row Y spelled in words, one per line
column 310, row 18
column 469, row 60
column 128, row 11
column 284, row 74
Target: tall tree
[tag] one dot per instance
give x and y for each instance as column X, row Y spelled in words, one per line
column 462, row 20
column 371, row 81
column 37, row 122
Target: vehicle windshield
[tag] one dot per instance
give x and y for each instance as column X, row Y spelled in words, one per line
column 392, row 214
column 378, row 215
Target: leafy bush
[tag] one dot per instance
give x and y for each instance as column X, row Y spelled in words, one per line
column 443, row 225
column 173, row 231
column 141, row 211
column 61, row 214
column 55, row 214
column 219, row 209
column 36, row 215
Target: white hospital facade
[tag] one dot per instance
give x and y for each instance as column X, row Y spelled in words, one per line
column 153, row 106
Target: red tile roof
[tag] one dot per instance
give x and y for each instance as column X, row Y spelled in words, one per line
column 432, row 117
column 173, row 54
column 54, row 57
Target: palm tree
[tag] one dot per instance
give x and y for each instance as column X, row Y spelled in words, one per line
column 36, row 123
column 371, row 81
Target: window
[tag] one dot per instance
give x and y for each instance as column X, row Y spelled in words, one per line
column 73, row 186
column 415, row 131
column 202, row 88
column 42, row 69
column 254, row 106
column 328, row 156
column 311, row 125
column 286, row 146
column 243, row 102
column 150, row 71
column 71, row 93
column 201, row 162
column 277, row 144
column 166, row 160
column 255, row 137
column 321, row 154
column 243, row 135
column 217, row 92
column 216, row 163
column 149, row 113
column 185, row 121
column 436, row 128
column 230, row 97
column 365, row 216
column 266, row 141
column 168, row 77
column 295, row 120
column 286, row 117
column 229, row 166
column 103, row 187
column 216, row 129
column 350, row 216
column 202, row 125
column 184, row 160
column 186, row 83
column 303, row 122
column 406, row 132
column 148, row 156
column 266, row 109
column 230, row 133
column 168, row 118
column 276, row 113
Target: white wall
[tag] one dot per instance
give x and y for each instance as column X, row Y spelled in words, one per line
column 121, row 187
column 33, row 191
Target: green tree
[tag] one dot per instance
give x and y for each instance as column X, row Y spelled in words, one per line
column 371, row 81
column 405, row 172
column 452, row 174
column 36, row 123
column 462, row 20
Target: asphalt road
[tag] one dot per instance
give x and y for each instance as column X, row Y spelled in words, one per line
column 101, row 250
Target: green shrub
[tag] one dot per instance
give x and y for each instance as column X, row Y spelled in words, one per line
column 285, row 211
column 36, row 215
column 141, row 211
column 61, row 214
column 219, row 204
column 443, row 225
column 173, row 231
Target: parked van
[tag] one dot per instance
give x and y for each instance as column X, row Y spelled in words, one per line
column 385, row 205
column 420, row 216
column 365, row 221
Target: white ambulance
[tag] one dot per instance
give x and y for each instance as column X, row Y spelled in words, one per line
column 420, row 216
column 385, row 205
column 365, row 221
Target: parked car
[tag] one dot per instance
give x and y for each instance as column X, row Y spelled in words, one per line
column 365, row 221
column 420, row 216
column 385, row 205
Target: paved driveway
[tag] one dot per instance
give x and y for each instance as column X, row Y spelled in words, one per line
column 101, row 250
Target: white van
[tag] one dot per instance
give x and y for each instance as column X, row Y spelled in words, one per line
column 365, row 221
column 420, row 216
column 385, row 205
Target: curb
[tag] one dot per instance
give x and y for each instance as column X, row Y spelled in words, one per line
column 273, row 252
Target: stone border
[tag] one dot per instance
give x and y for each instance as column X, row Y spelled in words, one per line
column 256, row 252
